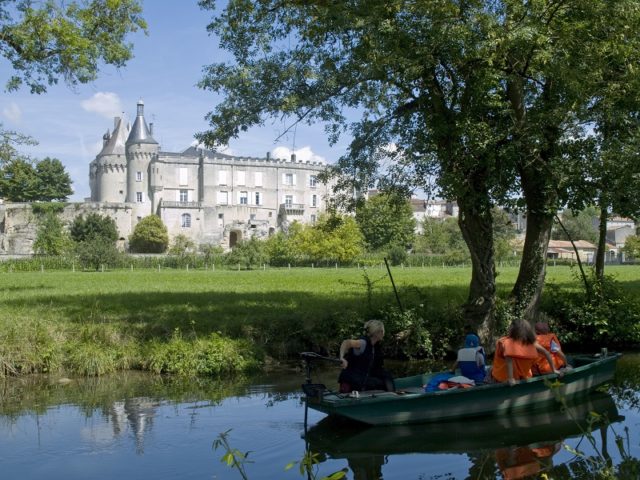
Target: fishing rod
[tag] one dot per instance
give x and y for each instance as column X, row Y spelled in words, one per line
column 395, row 290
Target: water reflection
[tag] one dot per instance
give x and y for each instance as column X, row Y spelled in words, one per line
column 516, row 446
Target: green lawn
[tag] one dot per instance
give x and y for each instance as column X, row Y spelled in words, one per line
column 277, row 309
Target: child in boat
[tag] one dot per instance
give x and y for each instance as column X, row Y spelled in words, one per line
column 471, row 359
column 551, row 343
column 362, row 362
column 516, row 354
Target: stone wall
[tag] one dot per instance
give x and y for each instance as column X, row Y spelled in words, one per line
column 19, row 225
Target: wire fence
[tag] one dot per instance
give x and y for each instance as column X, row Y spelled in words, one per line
column 35, row 263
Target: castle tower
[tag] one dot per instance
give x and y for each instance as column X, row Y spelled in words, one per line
column 142, row 150
column 108, row 172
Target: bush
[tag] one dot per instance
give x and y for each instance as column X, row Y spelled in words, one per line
column 609, row 317
column 149, row 236
column 214, row 355
column 397, row 255
column 96, row 253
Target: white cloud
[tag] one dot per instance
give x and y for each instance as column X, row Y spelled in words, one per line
column 12, row 112
column 302, row 154
column 106, row 104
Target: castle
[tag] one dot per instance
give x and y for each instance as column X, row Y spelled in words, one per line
column 210, row 197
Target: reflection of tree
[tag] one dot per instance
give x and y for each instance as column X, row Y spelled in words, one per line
column 367, row 467
column 483, row 466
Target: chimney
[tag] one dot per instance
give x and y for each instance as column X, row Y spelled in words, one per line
column 151, row 128
column 268, row 155
column 293, row 157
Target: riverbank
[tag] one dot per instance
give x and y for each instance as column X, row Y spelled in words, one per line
column 217, row 322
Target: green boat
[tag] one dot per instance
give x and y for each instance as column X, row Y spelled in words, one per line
column 340, row 438
column 411, row 404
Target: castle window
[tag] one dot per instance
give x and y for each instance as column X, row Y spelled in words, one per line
column 241, row 177
column 223, row 198
column 258, row 198
column 138, row 176
column 289, row 179
column 221, row 220
column 288, row 200
column 312, row 181
column 258, row 178
column 222, row 177
column 139, row 197
column 313, row 219
column 186, row 220
column 243, row 198
column 184, row 195
column 183, row 175
column 314, row 200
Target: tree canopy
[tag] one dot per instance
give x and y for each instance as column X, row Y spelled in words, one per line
column 21, row 181
column 92, row 226
column 488, row 97
column 386, row 220
column 52, row 40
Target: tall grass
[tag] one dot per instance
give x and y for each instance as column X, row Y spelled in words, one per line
column 178, row 320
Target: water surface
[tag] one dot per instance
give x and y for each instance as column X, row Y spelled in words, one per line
column 134, row 425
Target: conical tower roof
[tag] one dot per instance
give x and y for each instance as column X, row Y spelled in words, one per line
column 116, row 143
column 140, row 132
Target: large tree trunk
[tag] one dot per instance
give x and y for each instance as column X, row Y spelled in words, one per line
column 527, row 290
column 477, row 230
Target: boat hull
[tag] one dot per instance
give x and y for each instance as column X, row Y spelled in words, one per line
column 406, row 407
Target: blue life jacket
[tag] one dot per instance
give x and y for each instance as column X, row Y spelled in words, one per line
column 467, row 361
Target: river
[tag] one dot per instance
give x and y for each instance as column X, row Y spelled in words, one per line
column 135, row 425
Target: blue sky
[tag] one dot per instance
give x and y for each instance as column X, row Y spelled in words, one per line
column 167, row 64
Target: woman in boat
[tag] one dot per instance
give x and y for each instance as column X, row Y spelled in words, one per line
column 516, row 354
column 552, row 345
column 362, row 361
column 471, row 359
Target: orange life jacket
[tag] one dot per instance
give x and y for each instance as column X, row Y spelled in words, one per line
column 523, row 357
column 542, row 365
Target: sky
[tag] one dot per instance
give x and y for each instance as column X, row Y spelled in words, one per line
column 69, row 123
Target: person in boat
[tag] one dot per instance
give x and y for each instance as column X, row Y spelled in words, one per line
column 471, row 359
column 516, row 354
column 551, row 343
column 362, row 362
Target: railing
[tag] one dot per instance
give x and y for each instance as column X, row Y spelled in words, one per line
column 293, row 208
column 168, row 204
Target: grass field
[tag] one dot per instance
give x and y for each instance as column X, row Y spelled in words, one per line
column 50, row 316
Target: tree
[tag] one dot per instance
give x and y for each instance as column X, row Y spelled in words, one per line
column 485, row 95
column 54, row 182
column 9, row 139
column 52, row 237
column 632, row 247
column 281, row 248
column 92, row 226
column 386, row 220
column 182, row 246
column 96, row 253
column 95, row 240
column 248, row 253
column 149, row 236
column 19, row 181
column 334, row 238
column 579, row 225
column 46, row 41
column 442, row 237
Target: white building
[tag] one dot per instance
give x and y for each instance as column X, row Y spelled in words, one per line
column 208, row 196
